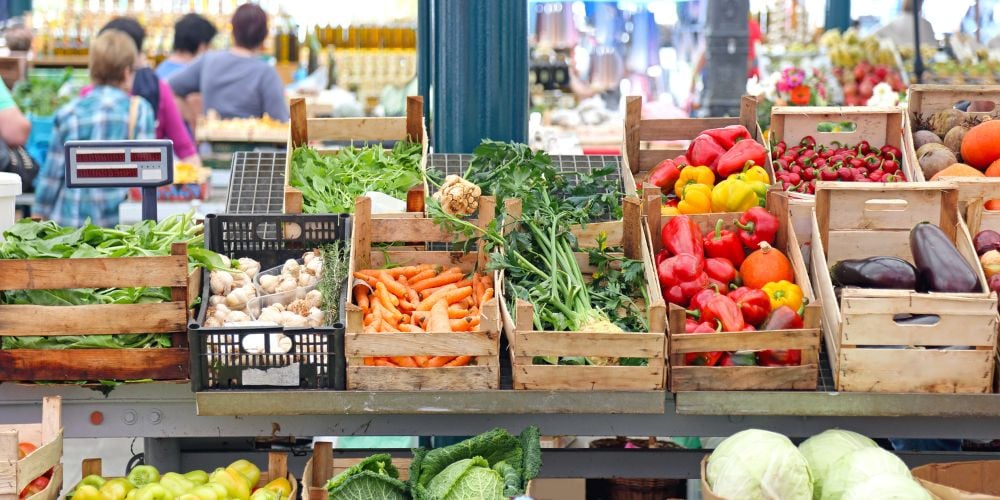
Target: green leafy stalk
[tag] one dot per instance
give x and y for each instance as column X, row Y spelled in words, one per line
column 336, row 257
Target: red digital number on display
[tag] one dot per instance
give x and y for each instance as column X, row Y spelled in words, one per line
column 91, row 173
column 145, row 156
column 100, row 157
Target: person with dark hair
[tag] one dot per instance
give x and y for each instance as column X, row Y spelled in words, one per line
column 236, row 83
column 192, row 36
column 145, row 84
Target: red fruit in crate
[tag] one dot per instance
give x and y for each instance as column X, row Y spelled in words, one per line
column 25, row 449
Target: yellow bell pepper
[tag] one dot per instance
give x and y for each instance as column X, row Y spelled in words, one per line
column 693, row 175
column 733, row 195
column 784, row 293
column 695, row 199
column 668, row 210
column 280, row 485
column 754, row 173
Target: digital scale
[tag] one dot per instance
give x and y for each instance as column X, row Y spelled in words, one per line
column 144, row 164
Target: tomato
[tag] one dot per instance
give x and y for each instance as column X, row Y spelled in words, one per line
column 25, row 449
column 36, row 486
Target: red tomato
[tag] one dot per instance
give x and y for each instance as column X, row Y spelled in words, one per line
column 36, row 486
column 25, row 449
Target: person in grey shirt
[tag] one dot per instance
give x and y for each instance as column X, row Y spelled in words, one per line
column 236, row 83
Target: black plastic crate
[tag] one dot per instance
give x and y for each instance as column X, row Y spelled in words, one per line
column 219, row 358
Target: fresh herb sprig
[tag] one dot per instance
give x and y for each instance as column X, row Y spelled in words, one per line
column 336, row 257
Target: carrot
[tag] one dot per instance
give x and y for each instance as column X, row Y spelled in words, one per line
column 405, row 319
column 439, row 280
column 385, row 299
column 369, row 361
column 406, row 327
column 460, row 325
column 487, row 281
column 467, row 303
column 438, row 361
column 428, row 302
column 421, row 360
column 404, row 361
column 408, row 271
column 486, row 296
column 361, row 297
column 406, row 305
column 380, row 288
column 384, row 362
column 449, row 296
column 438, row 320
column 412, row 296
column 457, row 312
column 460, row 361
column 431, row 291
column 422, row 275
column 464, row 283
column 477, row 286
column 419, row 317
column 394, row 287
column 388, row 327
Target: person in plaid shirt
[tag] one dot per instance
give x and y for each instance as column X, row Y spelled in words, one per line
column 107, row 113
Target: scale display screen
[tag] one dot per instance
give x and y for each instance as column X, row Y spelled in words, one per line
column 119, row 163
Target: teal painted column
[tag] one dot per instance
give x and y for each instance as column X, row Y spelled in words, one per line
column 479, row 72
column 838, row 14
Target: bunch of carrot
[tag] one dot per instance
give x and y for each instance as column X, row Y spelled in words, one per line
column 422, row 298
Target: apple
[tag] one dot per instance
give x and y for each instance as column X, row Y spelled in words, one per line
column 25, row 449
column 36, row 486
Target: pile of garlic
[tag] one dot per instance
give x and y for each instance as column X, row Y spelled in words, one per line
column 231, row 291
column 304, row 312
column 293, row 275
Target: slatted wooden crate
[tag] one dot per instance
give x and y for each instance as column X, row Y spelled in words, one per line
column 15, row 474
column 110, row 319
column 323, row 465
column 526, row 342
column 640, row 157
column 869, row 350
column 277, row 466
column 484, row 343
column 737, row 378
column 359, row 130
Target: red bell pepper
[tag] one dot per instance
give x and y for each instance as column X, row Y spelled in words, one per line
column 757, row 225
column 681, row 235
column 699, row 300
column 690, row 325
column 728, row 136
column 681, row 277
column 661, row 256
column 665, row 175
column 783, row 318
column 753, row 303
column 681, row 293
column 704, row 150
column 724, row 310
column 744, row 154
column 723, row 243
column 703, row 358
column 681, row 161
column 721, row 270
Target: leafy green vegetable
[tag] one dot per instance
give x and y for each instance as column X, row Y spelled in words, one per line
column 374, row 478
column 331, row 183
column 468, row 479
column 470, row 468
column 40, row 96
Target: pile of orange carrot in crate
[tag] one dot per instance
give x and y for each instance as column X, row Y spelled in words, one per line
column 422, row 298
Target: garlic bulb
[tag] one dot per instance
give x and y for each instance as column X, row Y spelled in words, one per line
column 291, row 268
column 270, row 314
column 237, row 317
column 314, row 267
column 249, row 266
column 212, row 322
column 215, row 300
column 287, row 285
column 221, row 313
column 237, row 299
column 306, row 279
column 299, row 306
column 290, row 319
column 308, row 257
column 221, row 282
column 226, row 261
column 315, row 317
column 314, row 298
column 269, row 282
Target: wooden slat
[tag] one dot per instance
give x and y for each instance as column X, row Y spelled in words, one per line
column 649, row 158
column 94, row 364
column 587, row 234
column 422, row 344
column 588, row 378
column 44, row 274
column 277, row 464
column 743, row 378
column 415, row 118
column 928, row 99
column 39, row 461
column 299, row 127
column 51, row 492
column 916, row 370
column 748, row 116
column 51, row 419
column 361, row 245
column 91, row 466
column 744, row 341
column 423, row 230
column 357, row 129
column 22, row 320
column 292, row 200
column 674, row 129
column 632, row 345
column 632, row 239
column 8, row 465
column 458, row 378
column 876, row 125
column 465, row 261
column 633, row 116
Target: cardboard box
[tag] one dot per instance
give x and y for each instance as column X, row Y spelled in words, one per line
column 961, row 480
column 558, row 489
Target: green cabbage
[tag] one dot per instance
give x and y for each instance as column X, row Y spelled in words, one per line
column 469, row 479
column 759, row 465
column 823, row 449
column 887, row 487
column 859, row 466
column 374, row 478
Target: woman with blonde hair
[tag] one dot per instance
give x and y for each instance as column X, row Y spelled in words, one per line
column 107, row 113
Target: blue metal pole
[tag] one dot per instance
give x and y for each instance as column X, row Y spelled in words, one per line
column 425, row 46
column 479, row 84
column 838, row 14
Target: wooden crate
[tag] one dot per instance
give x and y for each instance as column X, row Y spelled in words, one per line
column 277, row 466
column 484, row 343
column 16, row 474
column 526, row 342
column 868, row 350
column 640, row 159
column 323, row 465
column 735, row 378
column 304, row 129
column 97, row 364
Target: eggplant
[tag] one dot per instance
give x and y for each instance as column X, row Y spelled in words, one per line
column 940, row 266
column 986, row 240
column 875, row 272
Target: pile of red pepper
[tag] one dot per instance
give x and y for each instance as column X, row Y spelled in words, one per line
column 797, row 168
column 700, row 273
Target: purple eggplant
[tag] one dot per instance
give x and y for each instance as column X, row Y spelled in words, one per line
column 875, row 272
column 940, row 266
column 986, row 240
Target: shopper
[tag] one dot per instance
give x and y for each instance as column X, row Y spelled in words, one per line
column 14, row 127
column 169, row 123
column 192, row 36
column 900, row 29
column 106, row 113
column 236, row 83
